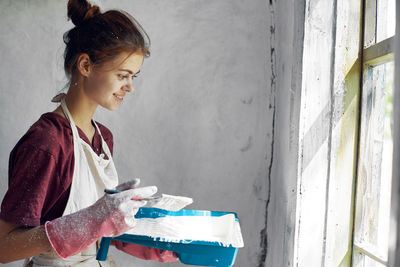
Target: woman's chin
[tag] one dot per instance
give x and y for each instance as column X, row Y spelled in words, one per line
column 111, row 107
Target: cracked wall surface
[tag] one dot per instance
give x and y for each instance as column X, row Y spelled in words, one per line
column 287, row 34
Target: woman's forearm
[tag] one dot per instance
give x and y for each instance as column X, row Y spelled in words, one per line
column 20, row 243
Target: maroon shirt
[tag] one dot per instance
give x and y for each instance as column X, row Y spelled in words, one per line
column 41, row 168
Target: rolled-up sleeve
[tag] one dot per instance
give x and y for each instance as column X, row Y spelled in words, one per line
column 32, row 176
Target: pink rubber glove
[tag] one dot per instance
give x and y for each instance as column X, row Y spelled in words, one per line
column 111, row 215
column 143, row 252
column 146, row 253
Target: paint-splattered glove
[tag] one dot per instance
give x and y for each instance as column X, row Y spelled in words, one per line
column 142, row 252
column 146, row 253
column 111, row 215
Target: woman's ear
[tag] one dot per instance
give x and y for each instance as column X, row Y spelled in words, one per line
column 84, row 65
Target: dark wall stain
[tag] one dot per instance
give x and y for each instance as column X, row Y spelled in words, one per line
column 247, row 101
column 248, row 144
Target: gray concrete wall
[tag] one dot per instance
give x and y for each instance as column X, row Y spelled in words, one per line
column 214, row 116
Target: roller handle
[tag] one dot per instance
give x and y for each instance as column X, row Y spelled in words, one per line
column 103, row 249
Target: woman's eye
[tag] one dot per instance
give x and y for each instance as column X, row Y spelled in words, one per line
column 122, row 76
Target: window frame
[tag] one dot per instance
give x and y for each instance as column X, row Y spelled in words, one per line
column 373, row 54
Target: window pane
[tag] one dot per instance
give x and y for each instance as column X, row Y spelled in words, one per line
column 361, row 260
column 375, row 161
column 386, row 19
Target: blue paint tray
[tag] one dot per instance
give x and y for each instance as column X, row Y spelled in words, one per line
column 191, row 252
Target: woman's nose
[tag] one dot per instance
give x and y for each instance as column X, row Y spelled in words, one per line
column 128, row 87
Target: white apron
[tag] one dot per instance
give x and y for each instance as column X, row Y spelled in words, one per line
column 92, row 174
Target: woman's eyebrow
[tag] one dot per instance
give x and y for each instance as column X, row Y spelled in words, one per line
column 131, row 72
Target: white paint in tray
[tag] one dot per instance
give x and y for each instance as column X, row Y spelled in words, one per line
column 222, row 229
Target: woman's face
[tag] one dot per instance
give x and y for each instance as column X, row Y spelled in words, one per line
column 108, row 84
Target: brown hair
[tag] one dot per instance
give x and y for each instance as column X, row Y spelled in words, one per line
column 101, row 35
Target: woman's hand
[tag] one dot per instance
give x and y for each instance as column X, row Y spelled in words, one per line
column 111, row 215
column 146, row 253
column 142, row 252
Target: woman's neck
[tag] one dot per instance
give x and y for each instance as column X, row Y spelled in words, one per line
column 81, row 108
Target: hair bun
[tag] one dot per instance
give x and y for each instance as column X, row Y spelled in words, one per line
column 80, row 10
column 93, row 11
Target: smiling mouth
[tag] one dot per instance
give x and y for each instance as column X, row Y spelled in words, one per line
column 120, row 98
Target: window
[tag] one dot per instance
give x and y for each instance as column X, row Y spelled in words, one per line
column 374, row 170
column 345, row 135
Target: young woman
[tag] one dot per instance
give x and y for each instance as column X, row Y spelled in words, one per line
column 55, row 210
